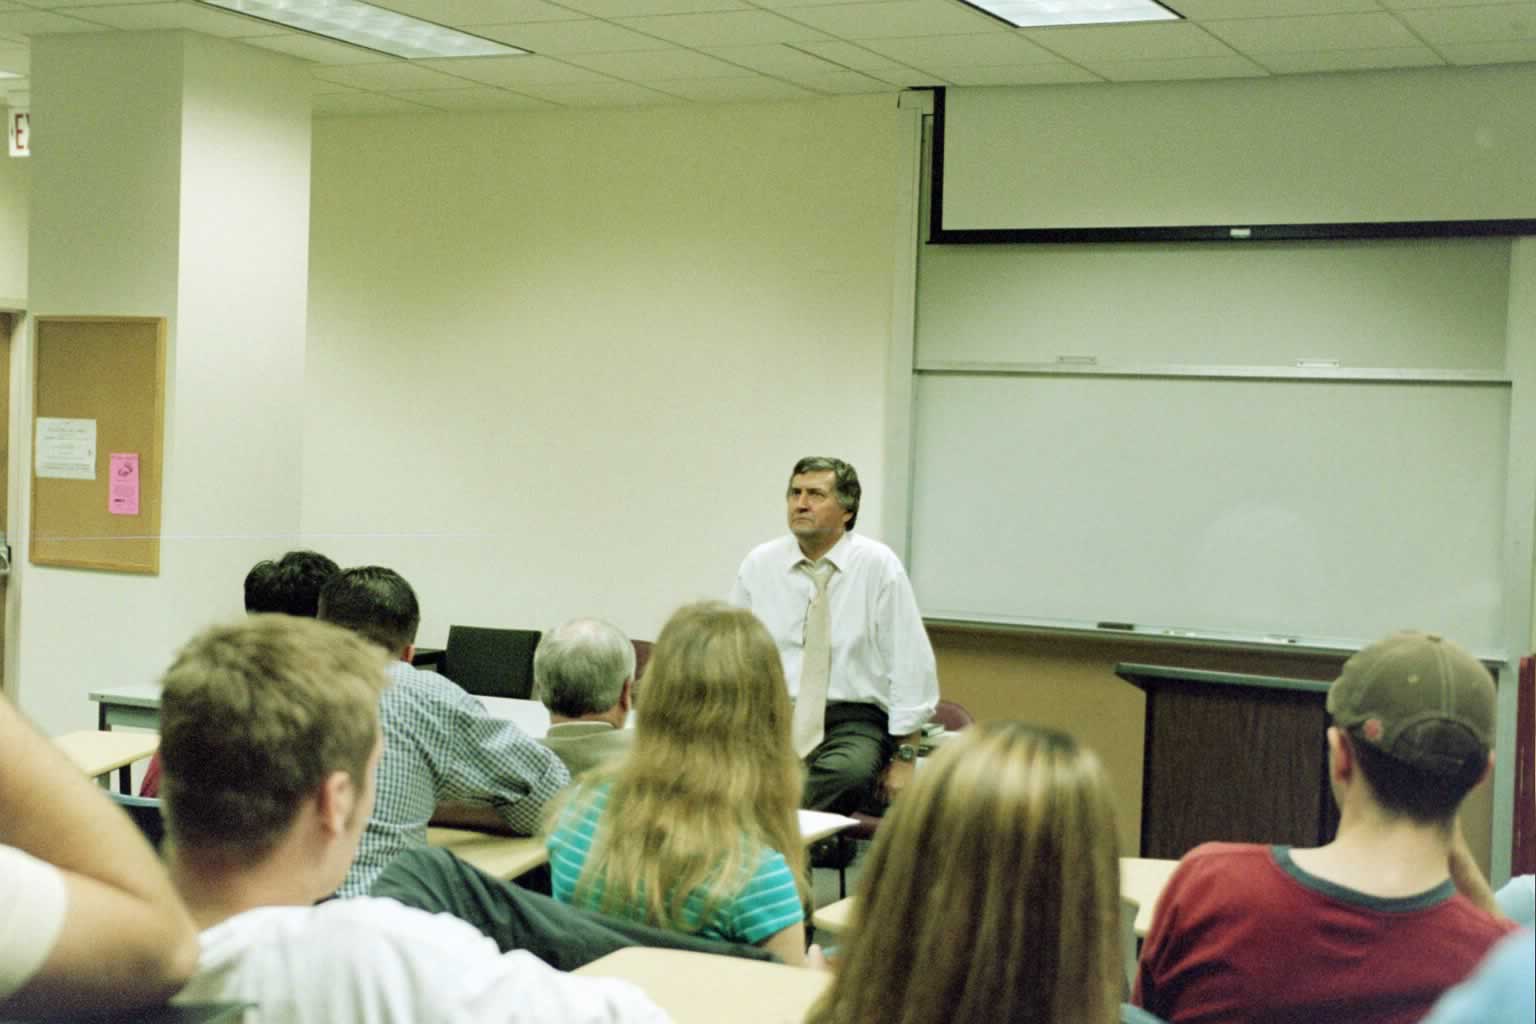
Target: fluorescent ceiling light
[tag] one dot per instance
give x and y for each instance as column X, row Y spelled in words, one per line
column 1037, row 13
column 360, row 24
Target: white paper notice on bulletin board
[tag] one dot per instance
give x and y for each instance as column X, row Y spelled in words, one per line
column 66, row 449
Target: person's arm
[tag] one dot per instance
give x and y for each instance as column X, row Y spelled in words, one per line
column 1467, row 876
column 788, row 945
column 497, row 764
column 913, row 673
column 468, row 814
column 125, row 939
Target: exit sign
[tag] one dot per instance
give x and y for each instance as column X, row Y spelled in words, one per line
column 19, row 131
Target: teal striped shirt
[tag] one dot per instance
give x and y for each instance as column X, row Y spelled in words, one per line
column 766, row 904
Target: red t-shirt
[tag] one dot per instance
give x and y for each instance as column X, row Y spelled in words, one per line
column 1242, row 934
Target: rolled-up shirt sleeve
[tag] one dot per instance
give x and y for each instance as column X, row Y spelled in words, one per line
column 33, row 903
column 496, row 762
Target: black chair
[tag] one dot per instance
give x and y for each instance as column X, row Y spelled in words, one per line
column 145, row 812
column 491, row 662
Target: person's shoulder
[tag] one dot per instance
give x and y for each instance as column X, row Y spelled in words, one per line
column 1217, row 862
column 773, row 551
column 858, row 550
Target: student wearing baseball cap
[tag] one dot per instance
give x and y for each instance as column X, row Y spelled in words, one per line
column 1369, row 928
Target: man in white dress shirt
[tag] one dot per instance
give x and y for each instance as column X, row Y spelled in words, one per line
column 863, row 678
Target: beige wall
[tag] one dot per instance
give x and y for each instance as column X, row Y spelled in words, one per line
column 561, row 364
column 15, row 197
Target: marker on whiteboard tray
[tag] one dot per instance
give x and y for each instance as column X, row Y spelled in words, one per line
column 1276, row 638
column 1126, row 626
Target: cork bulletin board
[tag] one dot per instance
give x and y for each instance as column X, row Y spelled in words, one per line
column 103, row 378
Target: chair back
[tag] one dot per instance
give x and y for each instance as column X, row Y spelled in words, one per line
column 491, row 662
column 145, row 813
column 953, row 717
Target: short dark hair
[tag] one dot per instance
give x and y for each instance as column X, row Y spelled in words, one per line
column 1404, row 790
column 291, row 585
column 845, row 481
column 374, row 602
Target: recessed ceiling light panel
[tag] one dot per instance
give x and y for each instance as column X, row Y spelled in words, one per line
column 360, row 24
column 1039, row 13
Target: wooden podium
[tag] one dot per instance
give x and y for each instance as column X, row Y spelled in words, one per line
column 1230, row 757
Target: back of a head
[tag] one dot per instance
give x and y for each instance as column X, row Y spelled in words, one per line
column 1419, row 712
column 253, row 717
column 291, row 585
column 374, row 602
column 714, row 689
column 992, row 891
column 580, row 668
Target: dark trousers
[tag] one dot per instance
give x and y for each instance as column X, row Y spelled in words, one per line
column 562, row 936
column 843, row 772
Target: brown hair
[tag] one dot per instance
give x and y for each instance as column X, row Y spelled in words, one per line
column 992, row 892
column 253, row 717
column 712, row 762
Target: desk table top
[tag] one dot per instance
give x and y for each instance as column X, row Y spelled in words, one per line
column 506, row 857
column 691, row 986
column 98, row 753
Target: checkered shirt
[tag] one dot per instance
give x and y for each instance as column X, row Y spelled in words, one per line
column 441, row 744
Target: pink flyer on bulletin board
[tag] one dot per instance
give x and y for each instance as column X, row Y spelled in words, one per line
column 123, row 486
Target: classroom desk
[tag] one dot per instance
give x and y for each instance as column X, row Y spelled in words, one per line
column 702, row 988
column 135, row 706
column 98, row 753
column 1141, row 879
column 506, row 857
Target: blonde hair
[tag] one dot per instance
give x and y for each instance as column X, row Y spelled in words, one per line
column 253, row 717
column 992, row 892
column 711, row 778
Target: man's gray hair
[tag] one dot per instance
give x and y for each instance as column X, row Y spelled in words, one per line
column 580, row 668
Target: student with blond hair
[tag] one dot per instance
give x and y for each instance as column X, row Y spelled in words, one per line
column 992, row 892
column 696, row 829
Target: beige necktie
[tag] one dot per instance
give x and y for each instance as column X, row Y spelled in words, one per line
column 815, row 664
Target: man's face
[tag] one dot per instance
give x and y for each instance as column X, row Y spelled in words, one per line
column 814, row 513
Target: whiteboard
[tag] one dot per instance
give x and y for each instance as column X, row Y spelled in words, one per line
column 1297, row 511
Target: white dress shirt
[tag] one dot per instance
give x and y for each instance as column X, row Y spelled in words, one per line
column 880, row 649
column 33, row 903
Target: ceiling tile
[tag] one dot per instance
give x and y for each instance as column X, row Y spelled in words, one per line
column 320, row 87
column 34, row 23
column 459, row 13
column 1178, row 69
column 1498, row 24
column 845, row 83
column 1145, row 41
column 774, row 59
column 1211, row 10
column 908, row 78
column 321, row 51
column 1350, row 60
column 515, row 71
column 1414, row 5
column 148, row 17
column 478, row 98
column 659, row 65
column 1514, row 52
column 388, row 77
column 1378, row 31
column 991, row 49
column 724, row 28
column 848, row 55
column 55, row 4
column 733, row 90
column 1021, row 74
column 356, row 103
column 896, row 18
column 588, row 35
column 606, row 93
column 636, row 8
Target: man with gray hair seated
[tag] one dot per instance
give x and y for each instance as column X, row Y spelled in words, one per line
column 583, row 671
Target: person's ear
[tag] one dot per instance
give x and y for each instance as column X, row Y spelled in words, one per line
column 627, row 694
column 334, row 801
column 1487, row 771
column 409, row 654
column 1341, row 756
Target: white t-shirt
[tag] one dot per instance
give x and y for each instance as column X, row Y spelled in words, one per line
column 376, row 961
column 33, row 902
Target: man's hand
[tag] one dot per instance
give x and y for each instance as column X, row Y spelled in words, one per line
column 898, row 775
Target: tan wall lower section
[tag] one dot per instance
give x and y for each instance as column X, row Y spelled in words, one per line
column 1070, row 684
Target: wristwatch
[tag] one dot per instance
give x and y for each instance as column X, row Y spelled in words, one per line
column 906, row 752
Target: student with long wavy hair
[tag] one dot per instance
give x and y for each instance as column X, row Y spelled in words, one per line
column 695, row 830
column 992, row 892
